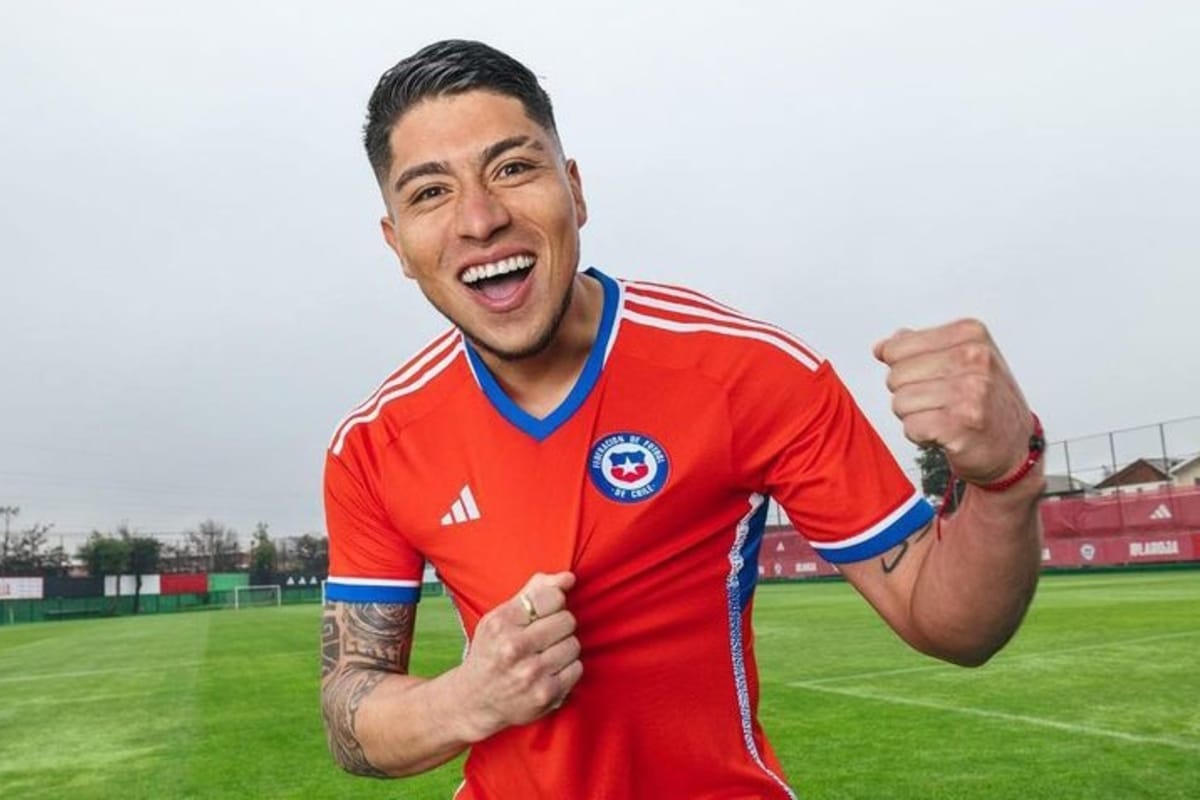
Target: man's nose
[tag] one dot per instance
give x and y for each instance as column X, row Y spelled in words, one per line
column 480, row 214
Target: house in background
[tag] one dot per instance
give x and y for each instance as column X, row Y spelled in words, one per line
column 1144, row 474
column 1187, row 472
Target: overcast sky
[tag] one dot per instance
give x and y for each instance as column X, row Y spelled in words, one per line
column 193, row 289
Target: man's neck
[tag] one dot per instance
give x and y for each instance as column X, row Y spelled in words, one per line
column 539, row 384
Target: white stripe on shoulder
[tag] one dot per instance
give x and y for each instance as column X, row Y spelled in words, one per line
column 616, row 325
column 423, row 357
column 721, row 316
column 680, row 292
column 874, row 530
column 384, row 399
column 805, row 358
column 414, row 365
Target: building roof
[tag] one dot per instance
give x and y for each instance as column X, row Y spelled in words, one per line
column 1142, row 470
column 1186, row 464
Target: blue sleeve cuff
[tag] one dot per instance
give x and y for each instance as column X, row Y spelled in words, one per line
column 364, row 590
column 909, row 518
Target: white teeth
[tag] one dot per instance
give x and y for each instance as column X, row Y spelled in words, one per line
column 502, row 267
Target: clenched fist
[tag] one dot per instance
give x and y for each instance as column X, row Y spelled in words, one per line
column 524, row 657
column 951, row 387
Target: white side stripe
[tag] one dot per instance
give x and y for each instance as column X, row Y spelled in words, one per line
column 700, row 327
column 737, row 646
column 719, row 316
column 458, row 512
column 387, row 398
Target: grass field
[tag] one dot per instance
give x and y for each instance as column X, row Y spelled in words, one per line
column 1097, row 697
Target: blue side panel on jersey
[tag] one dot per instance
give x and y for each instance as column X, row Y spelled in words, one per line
column 357, row 593
column 912, row 521
column 541, row 428
column 748, row 575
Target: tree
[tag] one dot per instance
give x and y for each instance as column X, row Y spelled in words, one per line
column 26, row 553
column 216, row 544
column 106, row 555
column 263, row 557
column 313, row 553
column 935, row 475
column 143, row 554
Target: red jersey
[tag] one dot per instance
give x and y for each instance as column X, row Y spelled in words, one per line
column 650, row 483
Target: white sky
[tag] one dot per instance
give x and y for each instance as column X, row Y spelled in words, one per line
column 193, row 289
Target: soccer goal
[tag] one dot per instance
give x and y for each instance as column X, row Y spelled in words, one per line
column 265, row 595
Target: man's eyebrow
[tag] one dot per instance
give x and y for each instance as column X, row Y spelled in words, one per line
column 420, row 171
column 489, row 154
column 494, row 151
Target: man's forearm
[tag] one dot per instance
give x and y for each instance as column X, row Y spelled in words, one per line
column 380, row 721
column 975, row 584
column 383, row 724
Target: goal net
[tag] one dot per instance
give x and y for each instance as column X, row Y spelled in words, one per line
column 249, row 596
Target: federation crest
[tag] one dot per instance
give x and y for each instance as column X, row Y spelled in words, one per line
column 628, row 467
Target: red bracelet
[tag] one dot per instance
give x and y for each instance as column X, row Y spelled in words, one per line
column 1037, row 447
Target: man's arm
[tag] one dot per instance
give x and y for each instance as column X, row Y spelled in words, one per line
column 961, row 595
column 383, row 722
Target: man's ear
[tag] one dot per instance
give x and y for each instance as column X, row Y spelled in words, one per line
column 389, row 235
column 577, row 191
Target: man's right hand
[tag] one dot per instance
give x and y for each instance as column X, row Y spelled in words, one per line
column 523, row 660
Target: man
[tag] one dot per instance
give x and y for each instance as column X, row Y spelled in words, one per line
column 586, row 462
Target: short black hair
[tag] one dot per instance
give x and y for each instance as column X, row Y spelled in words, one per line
column 449, row 67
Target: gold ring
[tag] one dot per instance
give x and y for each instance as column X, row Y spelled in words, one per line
column 527, row 604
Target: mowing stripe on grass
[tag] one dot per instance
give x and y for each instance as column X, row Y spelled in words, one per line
column 942, row 665
column 91, row 698
column 156, row 668
column 1003, row 716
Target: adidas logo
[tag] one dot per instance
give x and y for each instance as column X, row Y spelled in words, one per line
column 463, row 510
column 1162, row 512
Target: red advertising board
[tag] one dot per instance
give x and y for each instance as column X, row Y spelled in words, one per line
column 786, row 555
column 1118, row 550
column 194, row 583
column 1167, row 510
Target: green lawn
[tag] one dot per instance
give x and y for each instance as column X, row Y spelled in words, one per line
column 1098, row 697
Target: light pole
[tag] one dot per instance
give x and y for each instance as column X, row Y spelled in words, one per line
column 9, row 512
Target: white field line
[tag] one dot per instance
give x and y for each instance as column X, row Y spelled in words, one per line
column 883, row 673
column 1023, row 719
column 158, row 668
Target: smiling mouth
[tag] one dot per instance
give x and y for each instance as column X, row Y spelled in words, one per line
column 498, row 280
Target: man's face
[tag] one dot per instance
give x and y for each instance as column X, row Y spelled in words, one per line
column 484, row 214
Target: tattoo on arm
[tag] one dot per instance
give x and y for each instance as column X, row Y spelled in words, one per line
column 898, row 552
column 361, row 644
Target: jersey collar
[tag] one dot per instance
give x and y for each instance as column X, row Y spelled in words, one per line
column 541, row 428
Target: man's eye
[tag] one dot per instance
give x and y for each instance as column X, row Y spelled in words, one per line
column 512, row 168
column 428, row 193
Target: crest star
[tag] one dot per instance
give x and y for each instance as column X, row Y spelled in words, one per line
column 626, row 467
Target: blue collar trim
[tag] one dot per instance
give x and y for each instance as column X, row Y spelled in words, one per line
column 540, row 429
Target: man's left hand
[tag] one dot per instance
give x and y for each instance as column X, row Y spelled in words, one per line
column 951, row 387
